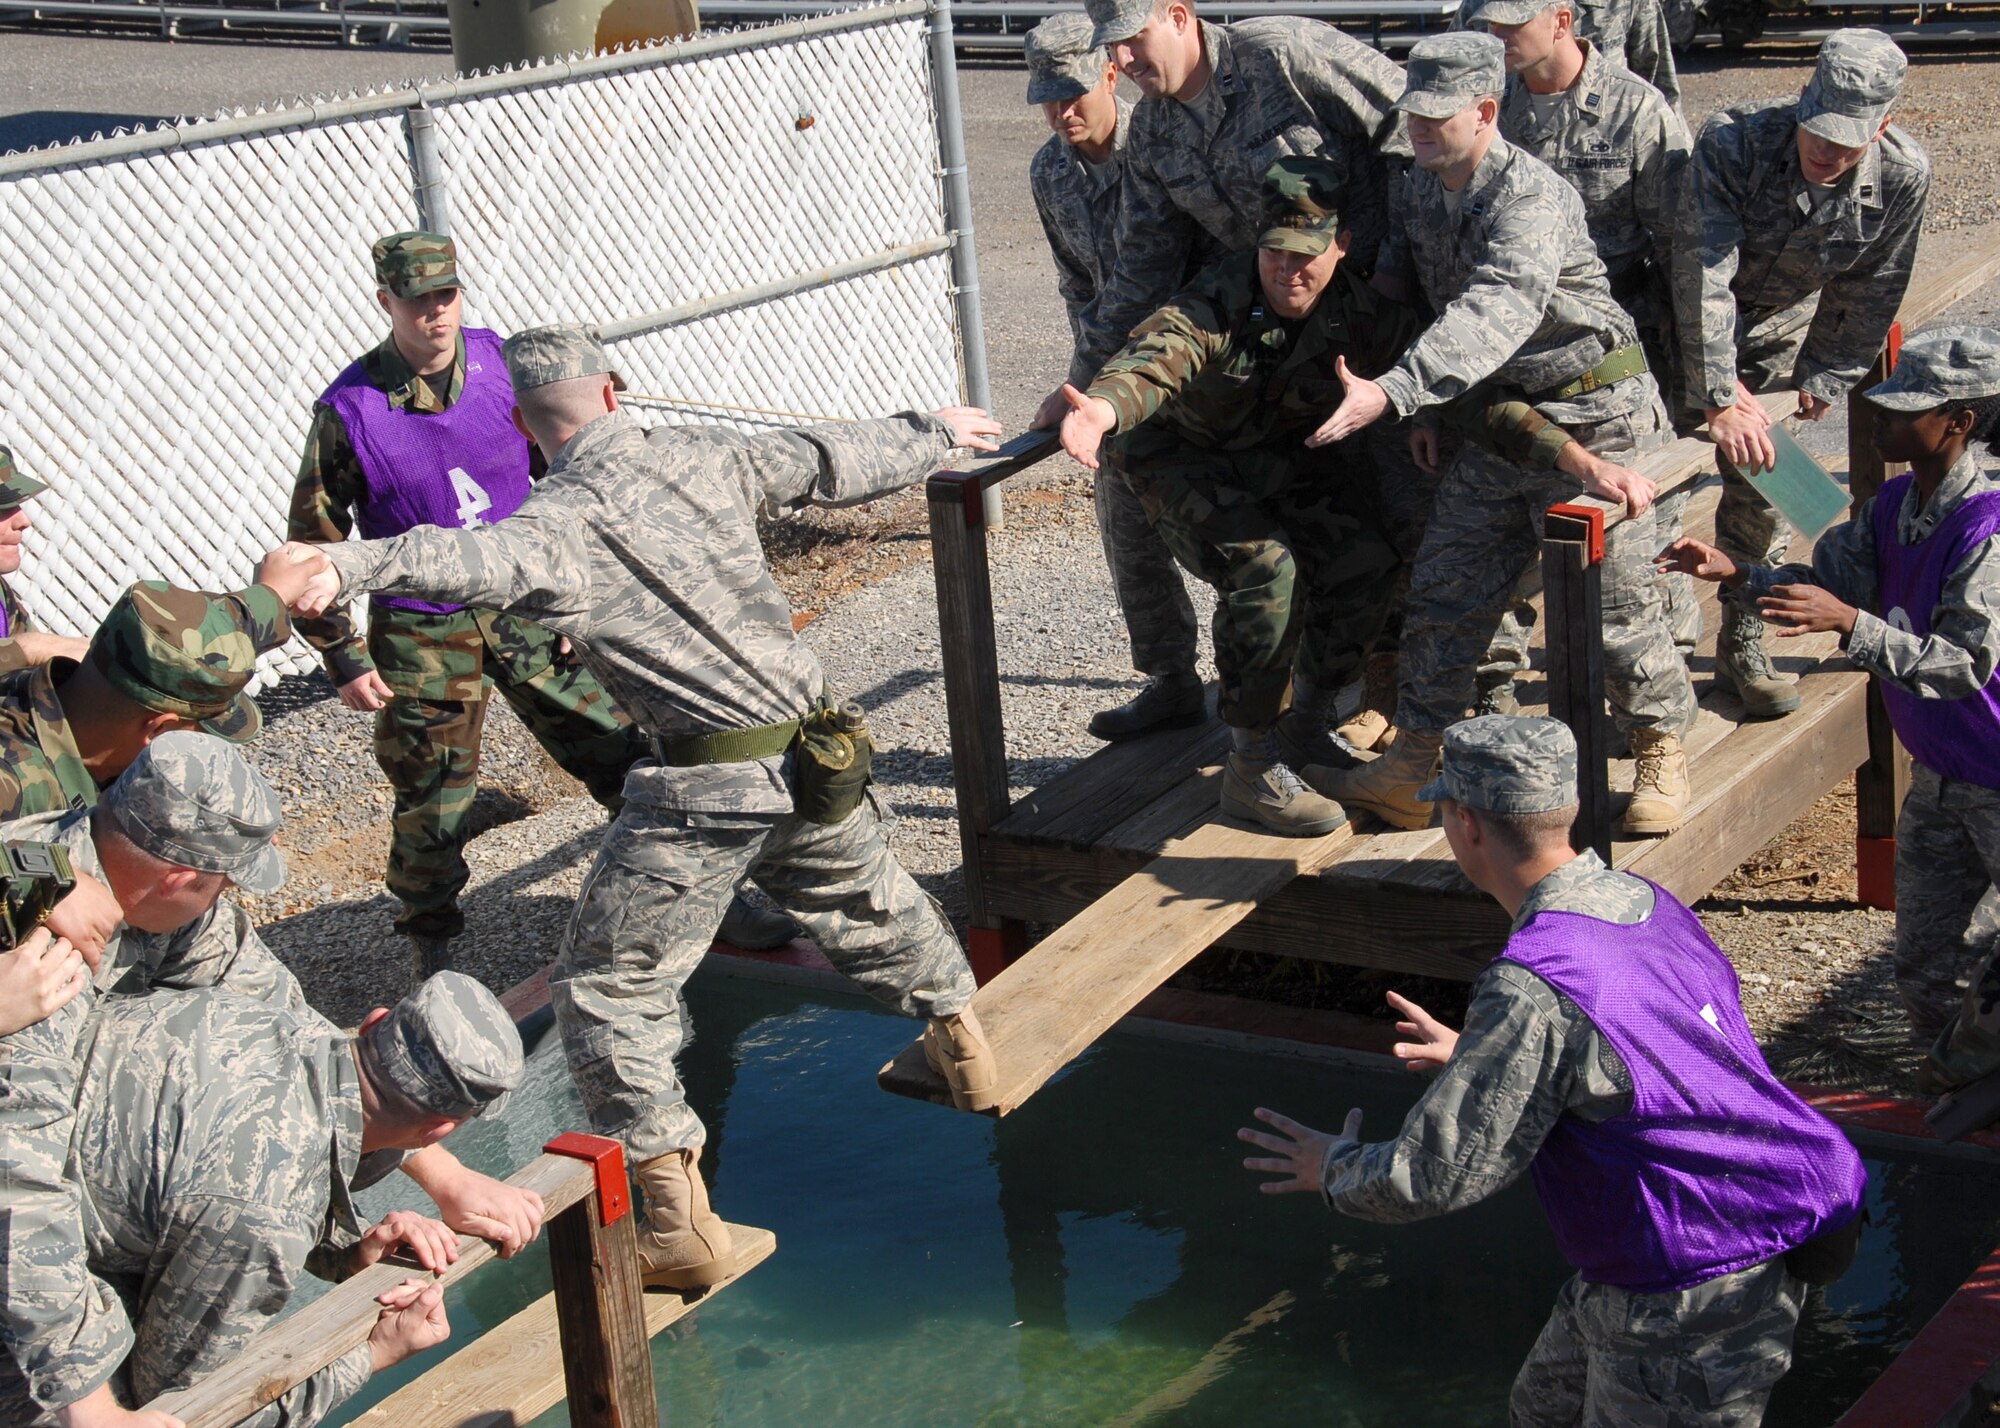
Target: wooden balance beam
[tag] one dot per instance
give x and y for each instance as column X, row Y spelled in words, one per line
column 1053, row 1002
column 514, row 1373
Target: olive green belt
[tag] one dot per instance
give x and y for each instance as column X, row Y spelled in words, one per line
column 1627, row 361
column 731, row 746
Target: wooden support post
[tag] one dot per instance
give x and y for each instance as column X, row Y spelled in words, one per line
column 971, row 661
column 1880, row 783
column 594, row 1258
column 1573, row 600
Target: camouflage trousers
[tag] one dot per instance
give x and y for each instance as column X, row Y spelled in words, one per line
column 1484, row 536
column 1706, row 1357
column 429, row 751
column 1948, row 920
column 650, row 907
column 1300, row 568
column 1159, row 619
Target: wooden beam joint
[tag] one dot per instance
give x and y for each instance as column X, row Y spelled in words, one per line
column 964, row 489
column 1582, row 524
column 607, row 1163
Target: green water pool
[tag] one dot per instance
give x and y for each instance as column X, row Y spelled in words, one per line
column 1100, row 1257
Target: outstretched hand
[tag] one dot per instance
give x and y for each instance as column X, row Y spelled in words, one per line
column 1298, row 1152
column 1432, row 1041
column 1363, row 404
column 1090, row 420
column 971, row 427
column 1688, row 556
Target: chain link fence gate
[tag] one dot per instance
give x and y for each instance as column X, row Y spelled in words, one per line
column 758, row 219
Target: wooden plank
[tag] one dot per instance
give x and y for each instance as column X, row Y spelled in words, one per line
column 1041, row 1012
column 513, row 1373
column 1117, row 782
column 1928, row 296
column 292, row 1351
column 606, row 1359
column 1572, row 584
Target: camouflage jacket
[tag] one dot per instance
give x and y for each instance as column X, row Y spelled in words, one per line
column 1622, row 148
column 64, row 1332
column 1078, row 204
column 642, row 548
column 215, row 1141
column 1632, row 34
column 1958, row 657
column 19, row 622
column 420, row 655
column 1754, row 256
column 1526, row 1057
column 1219, row 371
column 1194, row 172
column 1520, row 293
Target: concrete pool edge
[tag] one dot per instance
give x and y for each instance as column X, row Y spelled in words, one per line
column 1931, row 1382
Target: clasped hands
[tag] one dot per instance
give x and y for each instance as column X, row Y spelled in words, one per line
column 301, row 576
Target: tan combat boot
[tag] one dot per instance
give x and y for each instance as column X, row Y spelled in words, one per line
column 957, row 1050
column 1659, row 783
column 684, row 1244
column 1372, row 726
column 1268, row 793
column 1387, row 787
column 1741, row 659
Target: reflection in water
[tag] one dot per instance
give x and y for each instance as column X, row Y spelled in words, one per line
column 1101, row 1257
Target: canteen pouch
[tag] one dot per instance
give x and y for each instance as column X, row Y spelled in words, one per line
column 833, row 757
column 1825, row 1257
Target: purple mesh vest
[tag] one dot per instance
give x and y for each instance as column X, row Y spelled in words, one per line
column 1959, row 738
column 1717, row 1166
column 462, row 467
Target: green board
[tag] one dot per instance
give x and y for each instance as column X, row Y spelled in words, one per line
column 1800, row 488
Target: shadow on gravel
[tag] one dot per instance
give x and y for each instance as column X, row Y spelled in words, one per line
column 1857, row 1038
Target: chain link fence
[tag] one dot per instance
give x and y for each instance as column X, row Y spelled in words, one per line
column 756, row 218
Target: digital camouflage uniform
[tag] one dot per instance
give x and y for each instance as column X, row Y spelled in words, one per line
column 1078, row 204
column 1523, row 304
column 17, row 488
column 1527, row 1056
column 1791, row 290
column 1194, row 171
column 697, row 640
column 170, row 650
column 440, row 669
column 64, row 1331
column 1631, row 33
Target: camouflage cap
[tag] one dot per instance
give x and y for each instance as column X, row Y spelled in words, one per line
column 1447, row 73
column 1301, row 205
column 542, row 355
column 414, row 263
column 1945, row 364
column 1512, row 12
column 191, row 800
column 448, row 1048
column 1064, row 59
column 17, row 487
column 1506, row 763
column 1115, row 20
column 188, row 652
column 1859, row 75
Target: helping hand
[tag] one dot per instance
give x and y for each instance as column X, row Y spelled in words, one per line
column 1090, row 420
column 1437, row 1041
column 1805, row 609
column 971, row 427
column 302, row 576
column 1364, row 402
column 412, row 1320
column 1688, row 556
column 1050, row 413
column 1300, row 1154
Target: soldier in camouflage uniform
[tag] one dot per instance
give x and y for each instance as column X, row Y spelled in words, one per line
column 1507, row 261
column 1936, row 652
column 1609, row 1016
column 1797, row 233
column 1623, row 149
column 434, row 396
column 643, row 549
column 163, row 658
column 22, row 641
column 203, row 1233
column 1630, row 34
column 1076, row 181
column 186, row 821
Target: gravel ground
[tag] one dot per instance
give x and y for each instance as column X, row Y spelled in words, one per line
column 1814, row 968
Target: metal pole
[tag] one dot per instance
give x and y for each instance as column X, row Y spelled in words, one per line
column 958, row 218
column 433, row 198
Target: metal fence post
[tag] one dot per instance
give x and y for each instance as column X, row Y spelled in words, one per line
column 958, row 218
column 427, row 166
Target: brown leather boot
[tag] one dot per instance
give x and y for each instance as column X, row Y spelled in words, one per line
column 1372, row 726
column 684, row 1244
column 1659, row 784
column 1387, row 787
column 957, row 1050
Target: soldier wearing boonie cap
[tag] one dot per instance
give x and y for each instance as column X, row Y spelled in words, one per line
column 419, row 431
column 22, row 641
column 1076, row 178
column 1631, row 34
column 1609, row 1020
column 643, row 548
column 1797, row 235
column 1912, row 585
